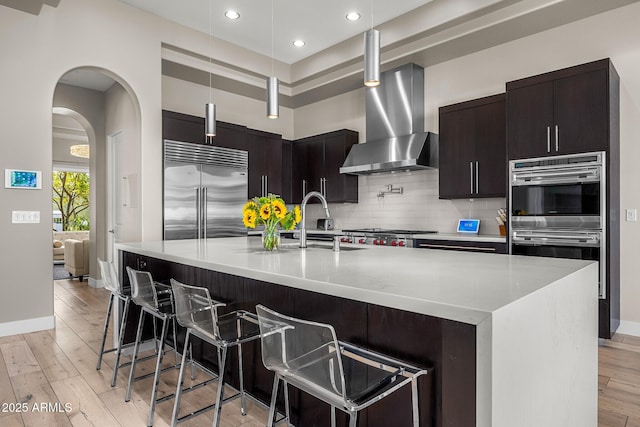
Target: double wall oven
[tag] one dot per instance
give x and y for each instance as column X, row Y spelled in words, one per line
column 558, row 208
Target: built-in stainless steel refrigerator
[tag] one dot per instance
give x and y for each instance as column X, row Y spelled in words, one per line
column 205, row 188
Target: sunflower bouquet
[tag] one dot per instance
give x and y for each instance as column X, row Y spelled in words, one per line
column 272, row 212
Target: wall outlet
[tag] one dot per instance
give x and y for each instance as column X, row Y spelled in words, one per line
column 632, row 215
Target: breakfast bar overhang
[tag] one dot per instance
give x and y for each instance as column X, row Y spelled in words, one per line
column 509, row 340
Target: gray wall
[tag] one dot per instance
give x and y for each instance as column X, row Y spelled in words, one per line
column 80, row 33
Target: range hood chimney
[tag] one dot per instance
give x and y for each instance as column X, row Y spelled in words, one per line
column 396, row 140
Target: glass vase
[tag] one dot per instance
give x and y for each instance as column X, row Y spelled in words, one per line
column 270, row 239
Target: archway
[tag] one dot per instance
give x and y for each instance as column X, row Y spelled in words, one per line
column 105, row 105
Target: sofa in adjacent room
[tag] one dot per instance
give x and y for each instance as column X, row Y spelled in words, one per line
column 76, row 257
column 58, row 242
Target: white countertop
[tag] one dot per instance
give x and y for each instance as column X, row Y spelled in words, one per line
column 460, row 286
column 470, row 237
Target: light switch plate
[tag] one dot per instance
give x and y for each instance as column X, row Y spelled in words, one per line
column 632, row 215
column 25, row 217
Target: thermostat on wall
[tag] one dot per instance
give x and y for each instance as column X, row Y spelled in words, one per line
column 468, row 226
column 16, row 178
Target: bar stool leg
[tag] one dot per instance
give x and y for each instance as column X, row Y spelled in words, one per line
column 333, row 416
column 414, row 402
column 286, row 402
column 353, row 419
column 125, row 313
column 156, row 377
column 176, row 404
column 193, row 370
column 134, row 356
column 274, row 397
column 243, row 398
column 175, row 342
column 104, row 331
column 222, row 358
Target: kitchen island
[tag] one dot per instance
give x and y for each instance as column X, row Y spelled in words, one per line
column 509, row 340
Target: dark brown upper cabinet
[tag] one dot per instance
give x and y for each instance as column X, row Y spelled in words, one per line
column 187, row 128
column 473, row 160
column 562, row 112
column 265, row 163
column 316, row 163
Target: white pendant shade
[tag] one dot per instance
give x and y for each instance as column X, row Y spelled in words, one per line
column 273, row 90
column 372, row 58
column 210, row 119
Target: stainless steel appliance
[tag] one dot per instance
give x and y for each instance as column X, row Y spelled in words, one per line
column 558, row 208
column 396, row 140
column 205, row 188
column 382, row 237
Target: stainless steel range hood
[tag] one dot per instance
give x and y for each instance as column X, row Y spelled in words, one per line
column 396, row 140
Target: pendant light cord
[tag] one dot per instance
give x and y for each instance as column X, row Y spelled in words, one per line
column 272, row 31
column 210, row 44
column 371, row 10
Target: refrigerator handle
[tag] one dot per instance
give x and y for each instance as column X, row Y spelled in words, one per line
column 204, row 212
column 198, row 213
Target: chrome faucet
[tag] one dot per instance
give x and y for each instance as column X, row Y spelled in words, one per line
column 303, row 208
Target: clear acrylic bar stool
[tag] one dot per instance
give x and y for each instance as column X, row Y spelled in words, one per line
column 112, row 284
column 308, row 356
column 198, row 313
column 155, row 299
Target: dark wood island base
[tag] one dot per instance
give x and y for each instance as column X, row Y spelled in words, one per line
column 448, row 348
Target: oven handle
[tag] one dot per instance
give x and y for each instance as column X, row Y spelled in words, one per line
column 553, row 177
column 553, row 239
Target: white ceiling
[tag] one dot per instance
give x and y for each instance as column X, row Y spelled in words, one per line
column 320, row 23
column 89, row 79
column 67, row 132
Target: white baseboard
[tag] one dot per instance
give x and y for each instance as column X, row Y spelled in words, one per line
column 95, row 283
column 629, row 328
column 26, row 326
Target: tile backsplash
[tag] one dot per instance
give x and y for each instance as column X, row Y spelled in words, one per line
column 417, row 208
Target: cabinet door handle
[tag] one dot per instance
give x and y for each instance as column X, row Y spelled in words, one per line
column 455, row 247
column 548, row 139
column 304, row 188
column 471, row 176
column 557, row 137
column 477, row 181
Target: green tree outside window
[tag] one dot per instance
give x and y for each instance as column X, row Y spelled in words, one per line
column 71, row 198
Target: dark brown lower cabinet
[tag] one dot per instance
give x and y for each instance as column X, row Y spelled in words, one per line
column 447, row 394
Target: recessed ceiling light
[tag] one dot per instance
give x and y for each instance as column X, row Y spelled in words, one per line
column 353, row 16
column 299, row 43
column 232, row 14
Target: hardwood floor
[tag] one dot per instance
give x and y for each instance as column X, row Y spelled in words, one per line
column 619, row 382
column 49, row 378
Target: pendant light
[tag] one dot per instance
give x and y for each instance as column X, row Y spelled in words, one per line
column 210, row 107
column 372, row 55
column 273, row 84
